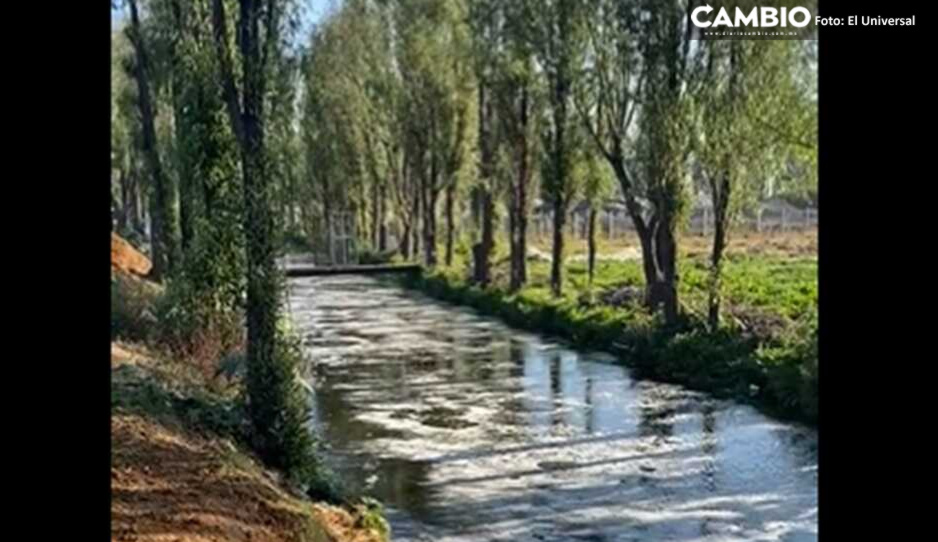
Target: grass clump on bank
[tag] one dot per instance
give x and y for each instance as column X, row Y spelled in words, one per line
column 765, row 353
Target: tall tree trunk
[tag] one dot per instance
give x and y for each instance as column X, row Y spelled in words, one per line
column 519, row 204
column 521, row 267
column 375, row 216
column 405, row 241
column 591, row 243
column 415, row 222
column 450, row 224
column 404, row 244
column 720, row 199
column 327, row 227
column 383, row 220
column 646, row 240
column 556, row 263
column 163, row 234
column 271, row 408
column 560, row 170
column 429, row 205
column 429, row 229
column 139, row 213
column 659, row 248
column 720, row 190
column 186, row 214
column 483, row 251
column 517, row 231
column 123, row 218
column 512, row 243
column 666, row 249
column 488, row 239
column 183, row 190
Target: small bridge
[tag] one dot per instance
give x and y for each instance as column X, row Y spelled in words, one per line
column 306, row 270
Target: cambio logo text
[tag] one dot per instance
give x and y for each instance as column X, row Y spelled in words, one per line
column 757, row 17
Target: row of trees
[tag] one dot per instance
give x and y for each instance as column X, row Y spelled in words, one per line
column 486, row 105
column 202, row 129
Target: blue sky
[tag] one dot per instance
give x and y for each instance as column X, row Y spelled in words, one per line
column 313, row 10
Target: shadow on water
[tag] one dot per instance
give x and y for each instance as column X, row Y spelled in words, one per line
column 470, row 430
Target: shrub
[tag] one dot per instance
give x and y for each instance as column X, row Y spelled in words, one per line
column 279, row 408
column 132, row 300
column 296, row 242
column 368, row 256
column 792, row 368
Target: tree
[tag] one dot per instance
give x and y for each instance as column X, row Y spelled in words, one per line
column 518, row 103
column 329, row 128
column 275, row 403
column 436, row 101
column 125, row 136
column 641, row 69
column 206, row 162
column 484, row 20
column 597, row 182
column 164, row 224
column 754, row 123
column 555, row 32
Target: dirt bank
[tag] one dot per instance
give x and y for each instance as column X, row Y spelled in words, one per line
column 171, row 480
column 124, row 257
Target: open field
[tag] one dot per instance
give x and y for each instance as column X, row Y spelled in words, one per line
column 799, row 244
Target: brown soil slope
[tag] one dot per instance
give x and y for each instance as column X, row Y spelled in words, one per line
column 124, row 257
column 169, row 483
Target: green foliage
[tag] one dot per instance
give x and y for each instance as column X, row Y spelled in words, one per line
column 296, row 242
column 371, row 516
column 132, row 316
column 326, row 486
column 792, row 368
column 279, row 409
column 154, row 395
column 368, row 256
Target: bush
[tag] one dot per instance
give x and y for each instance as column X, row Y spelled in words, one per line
column 368, row 256
column 296, row 242
column 324, row 485
column 279, row 409
column 196, row 328
column 170, row 399
column 792, row 369
column 132, row 300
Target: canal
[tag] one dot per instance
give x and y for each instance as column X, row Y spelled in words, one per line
column 469, row 430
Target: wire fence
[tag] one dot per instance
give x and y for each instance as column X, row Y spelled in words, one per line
column 616, row 223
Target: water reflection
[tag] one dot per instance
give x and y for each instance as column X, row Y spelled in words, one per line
column 708, row 445
column 469, row 430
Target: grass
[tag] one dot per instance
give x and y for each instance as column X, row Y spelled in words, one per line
column 766, row 353
column 172, row 394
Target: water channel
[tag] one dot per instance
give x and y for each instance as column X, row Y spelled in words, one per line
column 469, row 430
